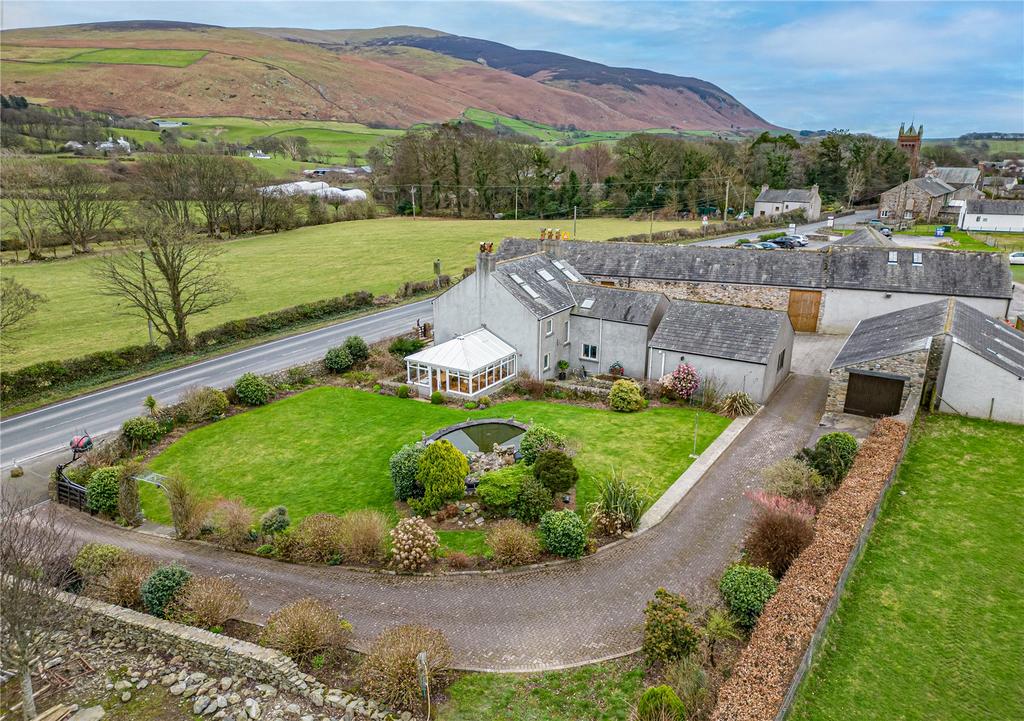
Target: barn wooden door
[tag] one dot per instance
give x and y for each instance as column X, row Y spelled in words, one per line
column 803, row 309
column 874, row 396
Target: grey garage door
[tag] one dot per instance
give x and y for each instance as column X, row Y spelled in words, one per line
column 873, row 395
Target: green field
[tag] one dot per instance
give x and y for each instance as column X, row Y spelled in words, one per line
column 327, row 450
column 140, row 56
column 1006, row 243
column 271, row 272
column 929, row 626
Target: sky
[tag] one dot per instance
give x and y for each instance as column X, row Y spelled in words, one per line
column 957, row 67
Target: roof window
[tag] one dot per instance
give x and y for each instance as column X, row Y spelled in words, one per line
column 516, row 278
column 545, row 275
column 892, row 257
column 587, row 303
column 918, row 258
column 530, row 291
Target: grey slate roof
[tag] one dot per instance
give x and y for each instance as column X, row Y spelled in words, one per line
column 787, row 195
column 910, row 329
column 995, row 207
column 552, row 295
column 956, row 176
column 932, row 186
column 616, row 304
column 941, row 272
column 719, row 331
column 867, row 237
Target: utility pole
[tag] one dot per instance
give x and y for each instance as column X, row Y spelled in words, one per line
column 725, row 213
column 412, row 189
column 650, row 230
column 517, row 203
column 744, row 198
column 574, row 222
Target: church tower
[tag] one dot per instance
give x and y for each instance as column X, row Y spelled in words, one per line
column 909, row 141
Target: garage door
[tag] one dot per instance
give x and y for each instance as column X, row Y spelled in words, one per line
column 803, row 309
column 874, row 396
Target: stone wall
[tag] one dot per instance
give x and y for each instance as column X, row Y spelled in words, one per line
column 213, row 651
column 751, row 296
column 913, row 365
column 909, row 197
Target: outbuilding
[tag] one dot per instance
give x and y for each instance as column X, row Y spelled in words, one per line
column 993, row 215
column 743, row 349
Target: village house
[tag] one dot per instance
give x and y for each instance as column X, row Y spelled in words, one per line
column 992, row 215
column 916, row 199
column 955, row 177
column 779, row 202
column 952, row 355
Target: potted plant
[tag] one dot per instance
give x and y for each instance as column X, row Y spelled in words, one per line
column 616, row 369
column 563, row 366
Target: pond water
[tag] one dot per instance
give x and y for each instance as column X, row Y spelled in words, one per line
column 483, row 436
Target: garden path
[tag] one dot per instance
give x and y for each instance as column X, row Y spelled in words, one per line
column 540, row 619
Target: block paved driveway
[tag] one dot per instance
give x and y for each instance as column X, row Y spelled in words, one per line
column 542, row 619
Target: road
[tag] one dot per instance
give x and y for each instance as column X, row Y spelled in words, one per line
column 847, row 221
column 37, row 432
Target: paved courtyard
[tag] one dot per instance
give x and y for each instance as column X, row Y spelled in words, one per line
column 541, row 619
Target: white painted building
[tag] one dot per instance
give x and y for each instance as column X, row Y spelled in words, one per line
column 788, row 200
column 1006, row 216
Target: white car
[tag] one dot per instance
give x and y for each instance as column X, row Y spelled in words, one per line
column 1017, row 258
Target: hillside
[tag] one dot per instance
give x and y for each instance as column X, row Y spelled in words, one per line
column 390, row 76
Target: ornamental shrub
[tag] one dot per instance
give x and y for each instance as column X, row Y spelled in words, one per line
column 737, row 404
column 102, row 490
column 533, row 502
column 683, row 382
column 513, row 544
column 338, row 360
column 793, row 479
column 436, row 398
column 499, row 490
column 563, row 533
column 388, row 672
column 659, row 703
column 469, row 405
column 95, row 559
column 401, row 347
column 746, row 589
column 626, row 396
column 140, row 432
column 556, row 471
column 403, row 391
column 316, row 538
column 690, row 682
column 306, row 628
column 187, row 509
column 538, row 439
column 357, row 348
column 781, row 529
column 668, row 634
column 129, row 505
column 620, row 504
column 162, row 586
column 121, row 583
column 364, row 536
column 441, row 471
column 404, row 465
column 252, row 390
column 274, row 521
column 202, row 404
column 833, row 457
column 413, row 544
column 208, row 602
column 232, row 522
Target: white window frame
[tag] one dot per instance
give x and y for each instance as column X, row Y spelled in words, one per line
column 567, row 332
column 593, row 352
column 549, row 327
column 547, row 361
column 893, row 257
column 918, row 258
column 886, row 213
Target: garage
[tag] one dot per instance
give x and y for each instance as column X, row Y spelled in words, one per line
column 874, row 394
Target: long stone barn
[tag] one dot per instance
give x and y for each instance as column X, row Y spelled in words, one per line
column 826, row 291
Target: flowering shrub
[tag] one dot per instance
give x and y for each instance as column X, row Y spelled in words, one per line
column 780, row 504
column 414, row 544
column 682, row 382
column 781, row 530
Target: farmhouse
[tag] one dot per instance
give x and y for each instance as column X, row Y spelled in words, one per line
column 827, row 291
column 993, row 215
column 958, row 358
column 777, row 202
column 743, row 349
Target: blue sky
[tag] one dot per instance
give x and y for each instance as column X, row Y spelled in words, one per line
column 955, row 66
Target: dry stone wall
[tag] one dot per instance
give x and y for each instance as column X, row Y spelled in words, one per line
column 751, row 296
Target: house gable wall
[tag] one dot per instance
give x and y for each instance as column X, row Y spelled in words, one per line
column 842, row 308
column 975, row 387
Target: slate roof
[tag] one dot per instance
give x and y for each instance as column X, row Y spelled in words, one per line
column 787, row 195
column 552, row 295
column 956, row 176
column 615, row 304
column 867, row 237
column 932, row 186
column 995, row 207
column 941, row 272
column 719, row 331
column 910, row 329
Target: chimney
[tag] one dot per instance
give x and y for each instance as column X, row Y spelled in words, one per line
column 764, row 188
column 485, row 260
column 814, row 189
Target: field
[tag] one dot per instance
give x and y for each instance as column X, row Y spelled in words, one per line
column 136, row 56
column 930, row 624
column 327, row 450
column 28, row 53
column 270, row 272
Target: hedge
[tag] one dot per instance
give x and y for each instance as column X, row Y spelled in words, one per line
column 759, row 681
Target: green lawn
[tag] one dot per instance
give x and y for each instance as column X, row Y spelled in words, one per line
column 327, row 449
column 600, row 692
column 275, row 271
column 140, row 56
column 472, row 543
column 930, row 626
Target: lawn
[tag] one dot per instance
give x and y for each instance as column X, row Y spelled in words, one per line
column 270, row 272
column 327, row 450
column 930, row 624
column 140, row 56
column 599, row 692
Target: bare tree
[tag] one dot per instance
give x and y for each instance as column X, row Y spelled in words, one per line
column 33, row 559
column 164, row 183
column 21, row 182
column 854, row 184
column 172, row 280
column 16, row 303
column 78, row 204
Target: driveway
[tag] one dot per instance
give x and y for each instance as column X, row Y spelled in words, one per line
column 565, row 615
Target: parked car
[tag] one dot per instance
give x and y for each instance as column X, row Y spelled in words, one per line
column 887, row 232
column 786, row 243
column 749, row 246
column 765, row 245
column 1017, row 258
column 799, row 240
column 876, row 223
column 743, row 216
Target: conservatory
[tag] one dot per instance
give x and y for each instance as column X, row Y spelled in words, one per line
column 468, row 365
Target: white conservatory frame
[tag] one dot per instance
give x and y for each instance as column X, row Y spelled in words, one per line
column 468, row 365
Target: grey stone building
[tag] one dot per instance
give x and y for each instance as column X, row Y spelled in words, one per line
column 780, row 201
column 956, row 177
column 743, row 349
column 959, row 359
column 916, row 199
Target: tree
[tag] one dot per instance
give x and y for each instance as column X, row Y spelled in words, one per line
column 33, row 548
column 172, row 280
column 16, row 303
column 854, row 184
column 78, row 204
column 21, row 182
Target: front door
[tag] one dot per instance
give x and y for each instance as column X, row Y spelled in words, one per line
column 803, row 309
column 873, row 396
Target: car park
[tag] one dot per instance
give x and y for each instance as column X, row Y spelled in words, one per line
column 1017, row 258
column 798, row 240
column 767, row 246
column 786, row 243
column 749, row 246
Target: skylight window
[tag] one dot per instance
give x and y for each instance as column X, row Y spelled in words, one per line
column 532, row 293
column 558, row 264
column 570, row 275
column 545, row 275
column 892, row 257
column 918, row 258
column 516, row 278
column 587, row 303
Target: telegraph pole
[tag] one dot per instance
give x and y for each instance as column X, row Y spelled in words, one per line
column 574, row 222
column 412, row 189
column 725, row 213
column 517, row 203
column 650, row 230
